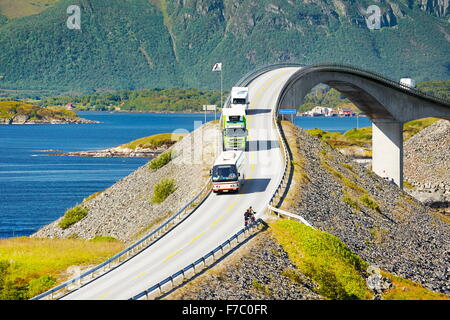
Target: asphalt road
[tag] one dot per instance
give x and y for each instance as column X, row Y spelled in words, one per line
column 218, row 218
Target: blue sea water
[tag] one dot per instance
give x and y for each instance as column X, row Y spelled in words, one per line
column 36, row 189
column 335, row 124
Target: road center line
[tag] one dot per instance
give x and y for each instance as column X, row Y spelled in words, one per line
column 173, row 254
column 197, row 237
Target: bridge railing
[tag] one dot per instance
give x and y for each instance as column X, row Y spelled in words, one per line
column 200, row 264
column 279, row 193
column 130, row 251
column 371, row 75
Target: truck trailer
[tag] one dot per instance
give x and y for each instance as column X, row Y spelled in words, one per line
column 234, row 126
column 228, row 172
column 239, row 98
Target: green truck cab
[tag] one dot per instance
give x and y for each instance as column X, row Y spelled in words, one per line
column 234, row 125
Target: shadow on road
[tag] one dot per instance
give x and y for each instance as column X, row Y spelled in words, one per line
column 262, row 145
column 254, row 185
column 257, row 111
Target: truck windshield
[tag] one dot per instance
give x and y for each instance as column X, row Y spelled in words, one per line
column 239, row 101
column 235, row 118
column 222, row 173
column 235, row 132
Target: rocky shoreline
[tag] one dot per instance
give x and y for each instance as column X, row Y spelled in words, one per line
column 116, row 152
column 25, row 120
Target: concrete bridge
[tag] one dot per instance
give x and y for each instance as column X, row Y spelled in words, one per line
column 387, row 103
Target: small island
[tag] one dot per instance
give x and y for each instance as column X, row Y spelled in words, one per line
column 147, row 147
column 15, row 112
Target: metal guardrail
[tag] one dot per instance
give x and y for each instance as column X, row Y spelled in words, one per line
column 277, row 197
column 280, row 212
column 130, row 251
column 182, row 275
column 199, row 265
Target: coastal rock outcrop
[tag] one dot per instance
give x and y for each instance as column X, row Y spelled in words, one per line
column 23, row 119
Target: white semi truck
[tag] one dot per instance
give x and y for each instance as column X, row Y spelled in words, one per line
column 228, row 172
column 239, row 97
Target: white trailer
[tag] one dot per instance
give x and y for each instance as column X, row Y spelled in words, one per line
column 228, row 172
column 239, row 97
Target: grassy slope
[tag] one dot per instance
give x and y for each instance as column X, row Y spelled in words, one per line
column 153, row 141
column 324, row 258
column 363, row 137
column 30, row 259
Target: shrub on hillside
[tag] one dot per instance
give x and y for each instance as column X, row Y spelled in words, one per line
column 40, row 285
column 162, row 190
column 73, row 216
column 161, row 160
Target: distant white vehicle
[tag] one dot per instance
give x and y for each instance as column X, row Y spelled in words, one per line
column 239, row 97
column 408, row 82
column 228, row 173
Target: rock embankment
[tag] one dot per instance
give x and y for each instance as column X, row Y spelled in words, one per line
column 257, row 271
column 374, row 218
column 427, row 164
column 124, row 211
column 22, row 119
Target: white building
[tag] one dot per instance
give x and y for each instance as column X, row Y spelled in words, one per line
column 319, row 111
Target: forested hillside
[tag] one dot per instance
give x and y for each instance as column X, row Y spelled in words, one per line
column 140, row 44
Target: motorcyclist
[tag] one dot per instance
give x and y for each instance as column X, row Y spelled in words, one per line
column 249, row 215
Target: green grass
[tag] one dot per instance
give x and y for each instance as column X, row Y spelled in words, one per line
column 415, row 126
column 294, row 275
column 348, row 199
column 369, row 202
column 404, row 289
column 162, row 190
column 363, row 137
column 92, row 196
column 73, row 216
column 408, row 185
column 344, row 180
column 261, row 287
column 29, row 266
column 154, row 141
column 323, row 258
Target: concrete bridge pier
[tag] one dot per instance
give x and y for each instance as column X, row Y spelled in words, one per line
column 387, row 149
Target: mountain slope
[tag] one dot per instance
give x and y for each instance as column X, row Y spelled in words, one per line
column 166, row 43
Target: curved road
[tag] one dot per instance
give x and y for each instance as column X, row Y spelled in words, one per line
column 218, row 218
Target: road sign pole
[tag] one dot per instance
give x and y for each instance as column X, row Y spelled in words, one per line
column 221, row 87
